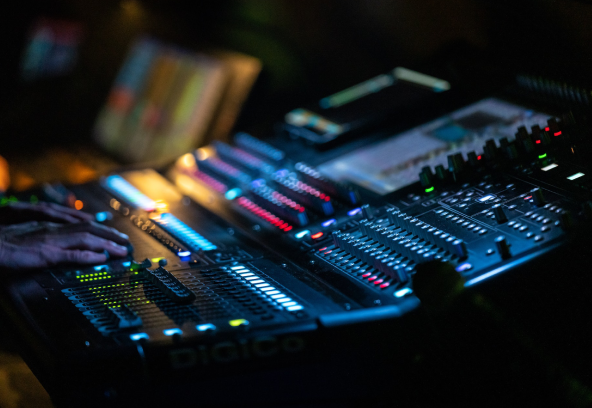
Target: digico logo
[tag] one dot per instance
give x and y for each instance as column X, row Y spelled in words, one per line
column 230, row 351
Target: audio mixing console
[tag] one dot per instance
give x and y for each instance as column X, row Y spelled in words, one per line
column 247, row 262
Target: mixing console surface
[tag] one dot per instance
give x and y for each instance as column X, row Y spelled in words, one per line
column 244, row 255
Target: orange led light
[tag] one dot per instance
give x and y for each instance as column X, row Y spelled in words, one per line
column 78, row 204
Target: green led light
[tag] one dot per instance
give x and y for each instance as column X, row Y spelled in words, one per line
column 429, row 190
column 542, row 156
column 34, row 199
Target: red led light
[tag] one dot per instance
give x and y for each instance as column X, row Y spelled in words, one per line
column 366, row 274
column 385, row 285
column 266, row 215
column 547, row 129
column 557, row 133
column 317, row 235
column 328, row 252
column 538, row 142
column 370, row 279
column 322, row 249
column 378, row 282
column 478, row 157
column 528, row 198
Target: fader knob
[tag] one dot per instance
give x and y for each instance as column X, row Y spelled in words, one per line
column 538, row 197
column 426, row 178
column 502, row 247
column 473, row 159
column 455, row 163
column 566, row 220
column 162, row 262
column 500, row 215
column 367, row 212
column 440, row 172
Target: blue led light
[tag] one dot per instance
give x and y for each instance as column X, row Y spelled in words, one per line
column 294, row 308
column 127, row 264
column 172, row 332
column 329, row 222
column 403, row 292
column 103, row 216
column 257, row 183
column 353, row 212
column 183, row 232
column 100, row 267
column 464, row 267
column 183, row 254
column 138, row 336
column 233, row 193
column 302, row 234
column 132, row 195
column 205, row 327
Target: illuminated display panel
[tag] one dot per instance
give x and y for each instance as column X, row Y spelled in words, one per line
column 161, row 104
column 396, row 162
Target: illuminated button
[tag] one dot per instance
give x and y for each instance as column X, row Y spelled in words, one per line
column 523, row 228
column 270, row 288
column 284, row 300
column 294, row 308
column 238, row 322
column 281, row 295
column 184, row 254
column 138, row 336
column 353, row 212
column 251, row 277
column 289, row 304
column 402, row 292
column 205, row 327
column 172, row 332
column 302, row 234
column 103, row 216
column 385, row 285
column 328, row 222
column 234, row 268
column 464, row 267
column 126, row 264
column 273, row 292
column 261, row 285
column 255, row 282
column 101, row 268
column 244, row 275
column 317, row 235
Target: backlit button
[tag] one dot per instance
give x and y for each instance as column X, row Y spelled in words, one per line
column 546, row 221
column 545, row 228
column 517, row 225
column 540, row 218
column 523, row 228
column 529, row 235
column 511, row 223
column 538, row 238
column 528, row 214
column 483, row 231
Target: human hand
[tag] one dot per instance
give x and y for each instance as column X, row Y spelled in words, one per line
column 15, row 213
column 45, row 244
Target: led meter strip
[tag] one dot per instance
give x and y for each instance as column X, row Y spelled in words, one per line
column 183, row 232
column 132, row 195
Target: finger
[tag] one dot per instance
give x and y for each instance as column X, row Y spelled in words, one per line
column 61, row 256
column 89, row 242
column 41, row 212
column 81, row 215
column 96, row 229
column 44, row 256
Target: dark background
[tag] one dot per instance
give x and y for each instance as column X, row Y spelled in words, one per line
column 309, row 49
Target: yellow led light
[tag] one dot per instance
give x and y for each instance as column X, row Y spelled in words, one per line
column 238, row 322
